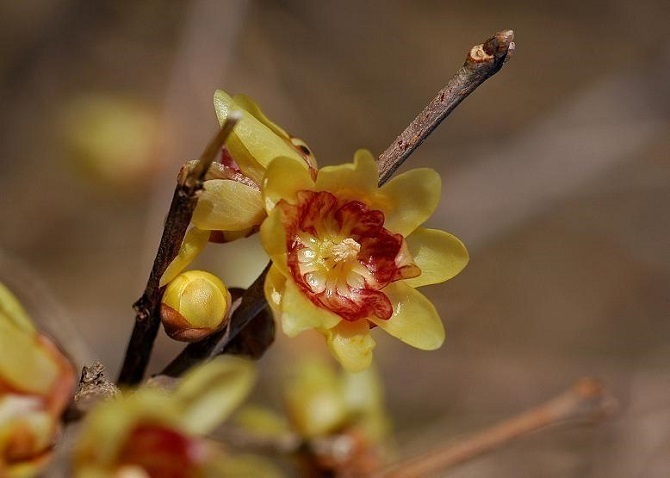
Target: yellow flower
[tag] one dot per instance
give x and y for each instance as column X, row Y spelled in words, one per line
column 348, row 255
column 158, row 433
column 36, row 385
column 231, row 204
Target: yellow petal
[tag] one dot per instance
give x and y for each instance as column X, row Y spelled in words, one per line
column 25, row 365
column 194, row 243
column 439, row 255
column 283, row 179
column 275, row 282
column 273, row 239
column 415, row 320
column 210, row 392
column 12, row 310
column 300, row 314
column 351, row 344
column 248, row 104
column 355, row 180
column 409, row 199
column 252, row 144
column 227, row 205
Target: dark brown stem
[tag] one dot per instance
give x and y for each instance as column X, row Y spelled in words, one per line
column 587, row 400
column 184, row 200
column 483, row 61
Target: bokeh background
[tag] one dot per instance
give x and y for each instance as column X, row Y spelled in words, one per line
column 556, row 175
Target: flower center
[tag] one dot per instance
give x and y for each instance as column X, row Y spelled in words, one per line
column 341, row 256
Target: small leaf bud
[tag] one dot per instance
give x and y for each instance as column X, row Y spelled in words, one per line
column 195, row 304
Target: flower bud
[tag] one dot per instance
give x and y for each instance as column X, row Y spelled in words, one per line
column 195, row 304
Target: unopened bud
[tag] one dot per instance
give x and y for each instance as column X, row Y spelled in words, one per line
column 195, row 304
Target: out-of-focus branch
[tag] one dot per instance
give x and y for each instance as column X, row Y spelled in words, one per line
column 587, row 400
column 483, row 61
column 184, row 200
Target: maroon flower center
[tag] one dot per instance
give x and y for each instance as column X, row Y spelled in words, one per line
column 341, row 256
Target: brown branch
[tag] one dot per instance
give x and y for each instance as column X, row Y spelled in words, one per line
column 483, row 61
column 184, row 200
column 587, row 400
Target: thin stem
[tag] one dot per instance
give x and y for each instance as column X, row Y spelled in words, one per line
column 184, row 200
column 483, row 61
column 587, row 400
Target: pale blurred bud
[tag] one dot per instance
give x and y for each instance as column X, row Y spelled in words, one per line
column 195, row 304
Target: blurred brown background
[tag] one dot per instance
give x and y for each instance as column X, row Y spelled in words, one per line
column 556, row 175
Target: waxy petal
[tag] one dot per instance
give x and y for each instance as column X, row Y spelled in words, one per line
column 351, row 344
column 248, row 104
column 194, row 243
column 415, row 320
column 283, row 179
column 409, row 199
column 209, row 393
column 300, row 314
column 439, row 255
column 11, row 310
column 353, row 181
column 275, row 283
column 273, row 238
column 252, row 144
column 228, row 206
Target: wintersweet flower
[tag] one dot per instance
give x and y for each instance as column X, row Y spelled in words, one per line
column 347, row 255
column 159, row 433
column 231, row 205
column 36, row 384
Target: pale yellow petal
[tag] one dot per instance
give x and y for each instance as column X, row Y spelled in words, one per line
column 415, row 320
column 252, row 144
column 357, row 180
column 439, row 255
column 351, row 344
column 210, row 392
column 25, row 364
column 275, row 282
column 283, row 179
column 227, row 205
column 300, row 314
column 194, row 243
column 248, row 104
column 273, row 239
column 409, row 199
column 12, row 310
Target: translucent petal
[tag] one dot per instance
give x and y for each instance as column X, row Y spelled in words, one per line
column 25, row 365
column 439, row 255
column 351, row 344
column 300, row 314
column 284, row 177
column 252, row 144
column 355, row 180
column 226, row 205
column 415, row 320
column 248, row 104
column 409, row 199
column 273, row 239
column 210, row 392
column 194, row 243
column 13, row 311
column 274, row 285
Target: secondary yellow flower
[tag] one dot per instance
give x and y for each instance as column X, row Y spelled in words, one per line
column 158, row 433
column 36, row 384
column 348, row 255
column 231, row 204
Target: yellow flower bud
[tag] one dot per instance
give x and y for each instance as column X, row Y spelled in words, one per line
column 195, row 304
